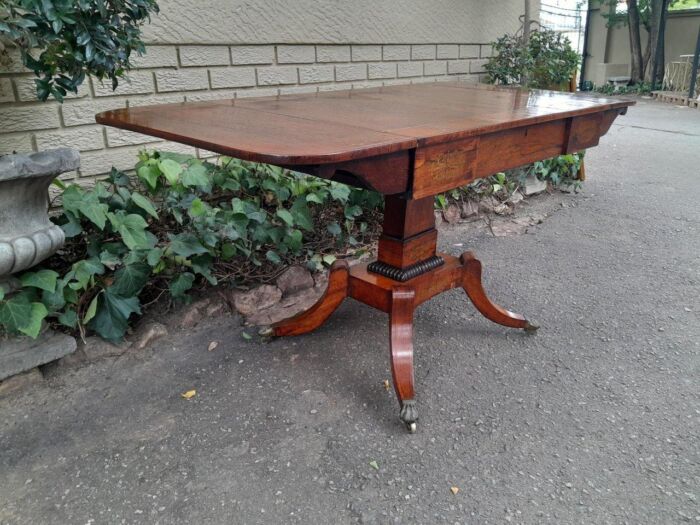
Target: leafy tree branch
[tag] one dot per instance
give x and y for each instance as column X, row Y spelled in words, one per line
column 63, row 41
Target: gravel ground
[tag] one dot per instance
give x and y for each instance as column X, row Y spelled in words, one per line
column 592, row 420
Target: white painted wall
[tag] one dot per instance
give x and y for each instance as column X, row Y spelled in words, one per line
column 334, row 21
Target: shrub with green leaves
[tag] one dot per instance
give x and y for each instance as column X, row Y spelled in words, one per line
column 178, row 224
column 62, row 41
column 545, row 61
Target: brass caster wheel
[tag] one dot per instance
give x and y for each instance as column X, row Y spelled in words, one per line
column 266, row 331
column 531, row 328
column 409, row 415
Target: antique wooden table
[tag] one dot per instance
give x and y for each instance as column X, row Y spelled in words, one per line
column 407, row 142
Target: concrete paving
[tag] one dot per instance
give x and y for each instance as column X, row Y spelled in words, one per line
column 595, row 419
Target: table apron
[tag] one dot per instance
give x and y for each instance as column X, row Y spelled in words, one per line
column 443, row 167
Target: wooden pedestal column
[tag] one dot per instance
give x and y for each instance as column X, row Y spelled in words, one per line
column 408, row 243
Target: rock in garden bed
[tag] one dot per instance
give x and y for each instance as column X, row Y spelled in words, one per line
column 294, row 291
column 256, row 299
column 294, row 279
column 22, row 353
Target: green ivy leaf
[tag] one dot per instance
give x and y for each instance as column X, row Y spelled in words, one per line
column 197, row 208
column 238, row 222
column 72, row 227
column 149, row 173
column 102, row 192
column 15, row 313
column 352, row 211
column 231, row 185
column 96, row 212
column 37, row 314
column 186, row 245
column 92, row 310
column 43, row 279
column 69, row 318
column 201, row 264
column 118, row 178
column 71, row 198
column 196, row 175
column 91, row 207
column 286, row 217
column 55, row 300
column 228, row 250
column 340, row 192
column 277, row 234
column 302, row 215
column 272, row 256
column 21, row 314
column 171, row 170
column 294, row 240
column 130, row 279
column 154, row 256
column 261, row 234
column 83, row 272
column 314, row 197
column 109, row 259
column 181, row 284
column 132, row 228
column 145, row 204
column 112, row 316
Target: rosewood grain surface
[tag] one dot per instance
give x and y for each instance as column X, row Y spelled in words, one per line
column 338, row 126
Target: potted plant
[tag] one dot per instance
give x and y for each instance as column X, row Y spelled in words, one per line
column 545, row 60
column 62, row 42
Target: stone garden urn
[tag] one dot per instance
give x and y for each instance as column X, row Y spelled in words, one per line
column 27, row 236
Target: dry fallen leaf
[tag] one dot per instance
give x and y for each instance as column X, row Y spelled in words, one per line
column 189, row 394
column 213, row 345
column 454, row 490
column 387, row 386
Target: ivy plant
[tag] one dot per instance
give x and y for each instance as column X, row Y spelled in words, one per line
column 63, row 41
column 181, row 223
column 561, row 170
column 641, row 88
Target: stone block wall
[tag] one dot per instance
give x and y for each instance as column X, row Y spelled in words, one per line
column 237, row 48
column 178, row 73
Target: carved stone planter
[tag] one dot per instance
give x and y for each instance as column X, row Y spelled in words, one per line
column 27, row 237
column 26, row 234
